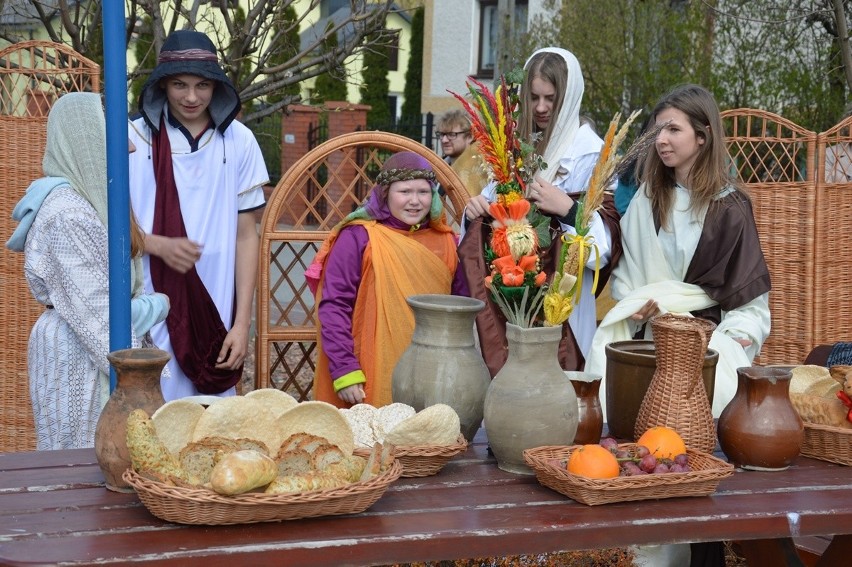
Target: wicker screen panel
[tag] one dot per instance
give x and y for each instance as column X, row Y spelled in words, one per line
column 33, row 74
column 316, row 193
column 833, row 211
column 774, row 158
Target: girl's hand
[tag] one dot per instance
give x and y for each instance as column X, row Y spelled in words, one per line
column 549, row 198
column 743, row 342
column 650, row 309
column 353, row 394
column 477, row 207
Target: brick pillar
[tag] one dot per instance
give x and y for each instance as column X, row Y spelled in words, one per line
column 343, row 118
column 294, row 144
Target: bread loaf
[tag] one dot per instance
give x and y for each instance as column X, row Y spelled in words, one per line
column 821, row 411
column 147, row 452
column 242, row 471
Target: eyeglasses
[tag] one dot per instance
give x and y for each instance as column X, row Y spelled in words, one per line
column 450, row 135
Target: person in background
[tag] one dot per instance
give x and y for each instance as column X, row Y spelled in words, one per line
column 461, row 151
column 838, row 158
column 62, row 231
column 195, row 184
column 396, row 245
column 453, row 134
column 550, row 108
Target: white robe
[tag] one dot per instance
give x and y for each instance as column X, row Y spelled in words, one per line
column 223, row 177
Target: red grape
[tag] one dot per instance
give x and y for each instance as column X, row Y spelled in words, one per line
column 681, row 459
column 609, row 443
column 648, row 463
column 641, row 451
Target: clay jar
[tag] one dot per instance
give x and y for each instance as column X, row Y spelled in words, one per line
column 137, row 387
column 760, row 429
column 590, row 414
column 530, row 402
column 442, row 364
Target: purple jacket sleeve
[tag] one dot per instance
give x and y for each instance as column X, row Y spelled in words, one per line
column 339, row 289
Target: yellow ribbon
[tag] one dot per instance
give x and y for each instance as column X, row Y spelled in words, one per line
column 584, row 244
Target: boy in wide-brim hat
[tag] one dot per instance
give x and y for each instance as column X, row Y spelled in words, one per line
column 195, row 182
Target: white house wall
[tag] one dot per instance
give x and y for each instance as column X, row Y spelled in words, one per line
column 451, row 49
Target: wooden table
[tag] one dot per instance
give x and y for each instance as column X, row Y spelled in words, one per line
column 54, row 509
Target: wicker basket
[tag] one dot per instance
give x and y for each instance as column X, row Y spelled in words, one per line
column 827, row 443
column 205, row 507
column 423, row 460
column 702, row 480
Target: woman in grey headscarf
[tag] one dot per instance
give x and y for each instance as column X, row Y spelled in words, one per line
column 63, row 234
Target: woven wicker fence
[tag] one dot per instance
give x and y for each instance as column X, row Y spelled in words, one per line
column 799, row 207
column 32, row 75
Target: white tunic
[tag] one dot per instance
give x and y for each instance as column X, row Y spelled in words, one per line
column 223, row 177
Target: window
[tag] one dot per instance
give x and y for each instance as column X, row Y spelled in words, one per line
column 328, row 7
column 393, row 54
column 489, row 26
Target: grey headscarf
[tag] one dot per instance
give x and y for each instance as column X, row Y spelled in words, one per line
column 76, row 150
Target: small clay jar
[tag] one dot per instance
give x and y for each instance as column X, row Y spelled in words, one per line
column 137, row 387
column 760, row 429
column 590, row 413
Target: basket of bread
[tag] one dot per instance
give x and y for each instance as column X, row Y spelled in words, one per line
column 823, row 398
column 256, row 458
column 423, row 442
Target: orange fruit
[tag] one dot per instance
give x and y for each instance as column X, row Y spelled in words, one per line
column 593, row 461
column 663, row 442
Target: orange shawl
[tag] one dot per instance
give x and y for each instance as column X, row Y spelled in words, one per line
column 396, row 264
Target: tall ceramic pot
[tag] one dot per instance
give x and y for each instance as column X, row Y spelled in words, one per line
column 760, row 429
column 137, row 387
column 590, row 413
column 530, row 402
column 442, row 364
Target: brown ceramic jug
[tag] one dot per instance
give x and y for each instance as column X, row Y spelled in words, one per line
column 590, row 413
column 137, row 387
column 760, row 429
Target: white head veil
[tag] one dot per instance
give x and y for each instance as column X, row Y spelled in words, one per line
column 568, row 121
column 76, row 150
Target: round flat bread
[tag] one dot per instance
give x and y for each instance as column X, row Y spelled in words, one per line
column 175, row 423
column 362, row 427
column 316, row 418
column 275, row 400
column 813, row 380
column 389, row 416
column 238, row 416
column 438, row 424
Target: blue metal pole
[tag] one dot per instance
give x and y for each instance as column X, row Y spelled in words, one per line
column 115, row 86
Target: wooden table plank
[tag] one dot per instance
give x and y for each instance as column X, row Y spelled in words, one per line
column 53, row 508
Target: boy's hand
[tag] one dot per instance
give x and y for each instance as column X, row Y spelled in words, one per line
column 353, row 394
column 234, row 349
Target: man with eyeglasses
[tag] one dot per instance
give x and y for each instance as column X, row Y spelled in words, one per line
column 460, row 151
